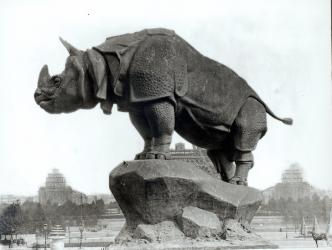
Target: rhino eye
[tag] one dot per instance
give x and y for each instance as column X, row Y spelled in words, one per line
column 57, row 81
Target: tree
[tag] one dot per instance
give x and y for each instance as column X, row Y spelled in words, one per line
column 100, row 205
column 325, row 208
column 272, row 205
column 69, row 208
column 11, row 220
column 33, row 216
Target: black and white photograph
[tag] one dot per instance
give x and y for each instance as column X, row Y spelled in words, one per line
column 169, row 125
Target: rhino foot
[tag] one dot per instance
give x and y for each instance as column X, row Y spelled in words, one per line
column 140, row 156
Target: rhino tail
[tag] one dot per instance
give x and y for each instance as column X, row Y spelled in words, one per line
column 286, row 120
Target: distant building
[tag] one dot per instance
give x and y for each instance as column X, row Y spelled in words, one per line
column 294, row 174
column 196, row 156
column 292, row 186
column 9, row 198
column 268, row 194
column 57, row 192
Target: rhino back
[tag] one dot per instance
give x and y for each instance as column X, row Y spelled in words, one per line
column 159, row 68
column 215, row 92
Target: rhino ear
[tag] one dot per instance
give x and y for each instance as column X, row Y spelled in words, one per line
column 71, row 49
column 82, row 79
column 99, row 71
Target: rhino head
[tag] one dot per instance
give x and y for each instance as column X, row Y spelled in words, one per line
column 69, row 91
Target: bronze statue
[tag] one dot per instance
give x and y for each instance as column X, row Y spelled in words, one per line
column 165, row 85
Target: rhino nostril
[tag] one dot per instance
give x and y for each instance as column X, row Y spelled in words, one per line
column 38, row 92
column 44, row 91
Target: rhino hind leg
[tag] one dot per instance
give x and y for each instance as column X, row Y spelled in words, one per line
column 244, row 162
column 249, row 127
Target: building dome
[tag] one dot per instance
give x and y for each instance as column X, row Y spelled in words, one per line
column 294, row 174
column 292, row 185
column 56, row 190
column 55, row 179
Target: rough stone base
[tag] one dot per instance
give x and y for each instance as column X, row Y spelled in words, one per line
column 235, row 236
column 153, row 191
column 175, row 205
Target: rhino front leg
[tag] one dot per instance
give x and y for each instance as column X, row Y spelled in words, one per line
column 161, row 119
column 141, row 124
column 223, row 164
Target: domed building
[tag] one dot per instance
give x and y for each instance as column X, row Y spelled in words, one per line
column 294, row 174
column 292, row 185
column 57, row 192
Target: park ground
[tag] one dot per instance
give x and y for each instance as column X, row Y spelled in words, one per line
column 101, row 239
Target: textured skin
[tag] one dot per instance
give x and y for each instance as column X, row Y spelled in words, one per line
column 151, row 74
column 250, row 125
column 165, row 85
column 161, row 121
column 156, row 62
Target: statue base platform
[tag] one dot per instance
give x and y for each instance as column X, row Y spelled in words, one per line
column 171, row 204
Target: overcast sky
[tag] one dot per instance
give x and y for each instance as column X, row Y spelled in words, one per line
column 281, row 47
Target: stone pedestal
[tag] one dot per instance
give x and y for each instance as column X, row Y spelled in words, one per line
column 57, row 237
column 167, row 201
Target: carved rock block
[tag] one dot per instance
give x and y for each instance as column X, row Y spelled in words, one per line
column 152, row 191
column 160, row 232
column 161, row 198
column 198, row 223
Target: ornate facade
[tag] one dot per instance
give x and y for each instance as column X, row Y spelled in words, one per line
column 56, row 190
column 292, row 186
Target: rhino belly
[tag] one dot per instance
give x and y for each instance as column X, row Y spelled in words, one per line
column 191, row 126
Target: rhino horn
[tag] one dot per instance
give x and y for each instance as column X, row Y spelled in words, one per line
column 44, row 76
column 71, row 49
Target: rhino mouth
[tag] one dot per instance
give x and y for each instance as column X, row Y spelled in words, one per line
column 44, row 101
column 41, row 97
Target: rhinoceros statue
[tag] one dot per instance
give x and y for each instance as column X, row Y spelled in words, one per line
column 166, row 85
